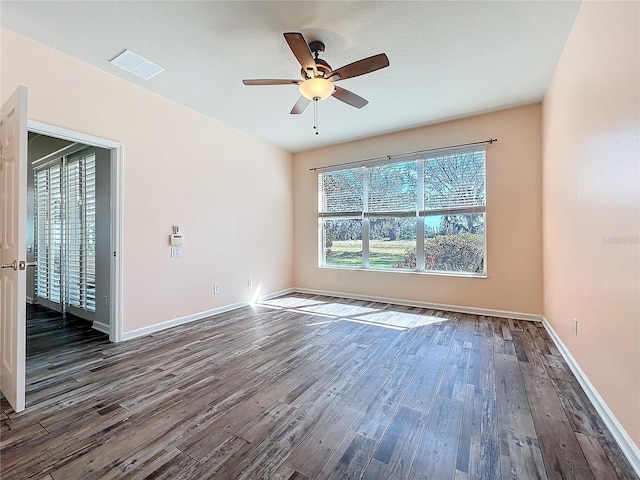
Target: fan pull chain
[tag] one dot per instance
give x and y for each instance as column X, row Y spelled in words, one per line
column 315, row 114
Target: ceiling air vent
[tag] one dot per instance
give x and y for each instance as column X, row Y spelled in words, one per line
column 136, row 64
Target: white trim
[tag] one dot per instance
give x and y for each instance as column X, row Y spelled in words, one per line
column 102, row 327
column 70, row 135
column 531, row 317
column 117, row 219
column 625, row 442
column 117, row 242
column 140, row 332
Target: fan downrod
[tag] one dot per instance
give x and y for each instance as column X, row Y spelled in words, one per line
column 317, row 48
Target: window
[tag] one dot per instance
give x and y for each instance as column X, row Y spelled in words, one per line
column 419, row 214
column 65, row 225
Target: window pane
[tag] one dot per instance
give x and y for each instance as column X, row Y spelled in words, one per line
column 454, row 180
column 455, row 243
column 392, row 242
column 342, row 191
column 393, row 187
column 342, row 240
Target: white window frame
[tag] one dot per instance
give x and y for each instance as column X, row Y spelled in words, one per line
column 421, row 213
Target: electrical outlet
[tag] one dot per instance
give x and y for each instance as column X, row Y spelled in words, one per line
column 575, row 326
column 546, row 298
column 250, row 281
column 216, row 289
column 339, row 276
column 175, row 252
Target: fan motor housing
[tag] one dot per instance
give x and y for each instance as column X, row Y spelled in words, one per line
column 323, row 68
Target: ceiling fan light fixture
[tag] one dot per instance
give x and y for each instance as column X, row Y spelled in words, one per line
column 313, row 88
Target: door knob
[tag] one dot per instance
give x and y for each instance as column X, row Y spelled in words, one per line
column 13, row 265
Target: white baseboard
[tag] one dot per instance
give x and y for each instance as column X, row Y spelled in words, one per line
column 628, row 447
column 140, row 332
column 102, row 327
column 531, row 317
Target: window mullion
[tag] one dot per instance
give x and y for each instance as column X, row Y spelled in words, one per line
column 420, row 220
column 365, row 220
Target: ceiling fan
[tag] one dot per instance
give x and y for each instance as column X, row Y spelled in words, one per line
column 318, row 77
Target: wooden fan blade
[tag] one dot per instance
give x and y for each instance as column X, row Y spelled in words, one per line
column 355, row 69
column 300, row 105
column 271, row 82
column 300, row 49
column 348, row 97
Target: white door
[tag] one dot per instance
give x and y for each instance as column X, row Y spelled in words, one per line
column 13, row 229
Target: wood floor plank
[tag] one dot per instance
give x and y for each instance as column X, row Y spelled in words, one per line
column 220, row 462
column 145, row 468
column 557, row 368
column 478, row 450
column 447, row 331
column 422, row 390
column 580, row 412
column 119, row 445
column 563, row 457
column 621, row 465
column 596, row 457
column 481, row 364
column 484, row 326
column 422, row 341
column 269, row 455
column 400, row 442
column 286, row 473
column 520, row 457
column 350, row 459
column 376, row 416
column 16, row 437
column 281, row 389
column 314, row 451
column 514, row 412
column 466, row 327
column 453, row 383
column 530, row 360
column 543, row 399
column 436, row 455
column 560, row 448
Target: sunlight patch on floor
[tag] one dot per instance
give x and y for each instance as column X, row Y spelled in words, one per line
column 336, row 311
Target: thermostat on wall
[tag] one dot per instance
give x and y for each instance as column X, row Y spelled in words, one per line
column 176, row 238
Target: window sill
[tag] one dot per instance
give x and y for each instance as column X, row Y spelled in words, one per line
column 437, row 273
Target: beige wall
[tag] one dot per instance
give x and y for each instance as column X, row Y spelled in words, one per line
column 513, row 223
column 591, row 202
column 230, row 193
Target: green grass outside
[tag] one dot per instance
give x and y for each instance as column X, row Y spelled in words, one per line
column 382, row 253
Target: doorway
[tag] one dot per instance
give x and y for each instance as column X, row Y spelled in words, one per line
column 68, row 229
column 107, row 295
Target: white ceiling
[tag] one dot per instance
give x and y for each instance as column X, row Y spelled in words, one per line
column 448, row 59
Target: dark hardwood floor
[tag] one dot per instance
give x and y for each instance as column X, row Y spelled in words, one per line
column 305, row 387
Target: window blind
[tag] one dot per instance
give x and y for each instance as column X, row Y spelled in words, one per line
column 80, row 229
column 454, row 181
column 393, row 188
column 450, row 183
column 48, row 232
column 65, row 200
column 342, row 192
